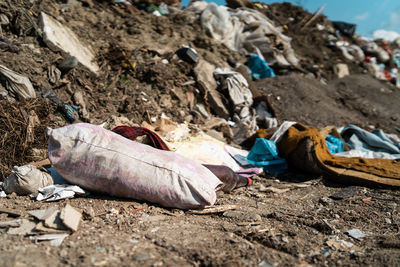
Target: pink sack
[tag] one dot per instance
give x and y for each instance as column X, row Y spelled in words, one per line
column 102, row 161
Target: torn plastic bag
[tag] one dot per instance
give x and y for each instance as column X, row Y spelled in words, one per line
column 259, row 68
column 27, row 179
column 102, row 161
column 217, row 22
column 264, row 154
column 345, row 28
column 16, row 84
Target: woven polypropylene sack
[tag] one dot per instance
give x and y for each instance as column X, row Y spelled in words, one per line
column 102, row 161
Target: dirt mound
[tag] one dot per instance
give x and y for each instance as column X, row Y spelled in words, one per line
column 309, row 42
column 375, row 100
column 356, row 99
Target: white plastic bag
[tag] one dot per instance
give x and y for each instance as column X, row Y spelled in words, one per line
column 103, row 161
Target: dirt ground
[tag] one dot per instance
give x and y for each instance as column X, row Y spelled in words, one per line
column 298, row 225
column 270, row 229
column 355, row 99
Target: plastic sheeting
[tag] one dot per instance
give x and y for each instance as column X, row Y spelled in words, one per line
column 248, row 31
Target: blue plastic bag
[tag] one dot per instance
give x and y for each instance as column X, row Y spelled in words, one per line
column 259, row 68
column 264, row 154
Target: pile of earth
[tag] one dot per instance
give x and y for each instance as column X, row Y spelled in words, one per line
column 309, row 42
column 356, row 99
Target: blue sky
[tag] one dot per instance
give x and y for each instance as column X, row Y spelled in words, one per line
column 369, row 15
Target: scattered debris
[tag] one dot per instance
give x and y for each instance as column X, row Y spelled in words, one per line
column 26, row 227
column 356, row 234
column 215, row 209
column 19, row 86
column 345, row 193
column 55, row 239
column 11, row 212
column 70, row 217
column 58, row 192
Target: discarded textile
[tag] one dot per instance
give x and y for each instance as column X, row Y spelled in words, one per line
column 305, row 148
column 27, row 179
column 238, row 91
column 103, row 161
column 265, row 154
column 334, row 144
column 362, row 140
column 235, row 87
column 259, row 68
column 264, row 117
column 132, row 133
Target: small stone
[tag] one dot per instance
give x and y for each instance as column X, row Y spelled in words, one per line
column 325, row 201
column 285, row 239
column 90, row 212
column 70, row 217
column 141, row 257
column 388, row 221
column 345, row 193
column 254, row 217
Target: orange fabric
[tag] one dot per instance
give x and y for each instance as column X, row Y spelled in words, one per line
column 383, row 171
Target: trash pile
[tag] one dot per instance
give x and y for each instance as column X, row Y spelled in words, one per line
column 50, row 224
column 176, row 107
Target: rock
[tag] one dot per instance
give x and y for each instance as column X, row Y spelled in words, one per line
column 25, row 228
column 59, row 37
column 12, row 223
column 10, row 212
column 68, row 64
column 43, row 214
column 341, row 70
column 345, row 193
column 70, row 217
column 325, row 201
column 141, row 257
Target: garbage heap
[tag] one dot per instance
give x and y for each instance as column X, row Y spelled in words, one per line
column 185, row 76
